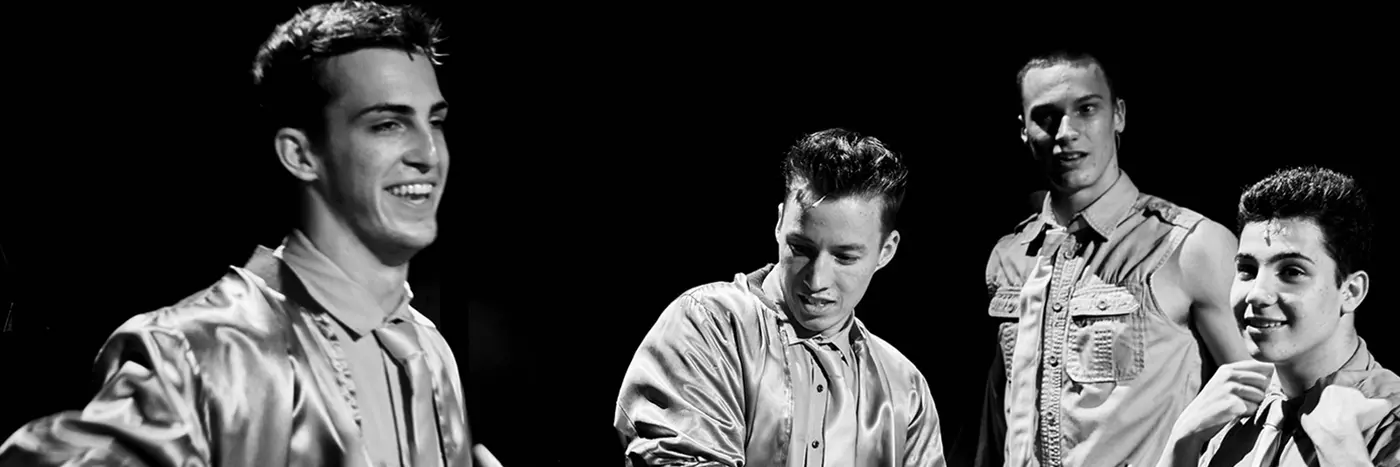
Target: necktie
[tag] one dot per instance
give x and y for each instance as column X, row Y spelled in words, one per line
column 401, row 342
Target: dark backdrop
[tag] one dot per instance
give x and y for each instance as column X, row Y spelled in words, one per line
column 602, row 167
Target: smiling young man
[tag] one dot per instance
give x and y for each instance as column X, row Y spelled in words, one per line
column 773, row 368
column 1305, row 244
column 309, row 354
column 1101, row 296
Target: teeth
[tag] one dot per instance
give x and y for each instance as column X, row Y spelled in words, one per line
column 410, row 190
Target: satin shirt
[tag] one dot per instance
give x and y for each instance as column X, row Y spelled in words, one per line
column 713, row 384
column 239, row 374
column 1090, row 370
column 1273, row 438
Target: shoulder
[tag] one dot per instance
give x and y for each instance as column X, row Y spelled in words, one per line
column 239, row 303
column 1169, row 212
column 718, row 302
column 1208, row 242
column 900, row 367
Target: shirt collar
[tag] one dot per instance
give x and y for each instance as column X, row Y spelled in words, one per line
column 346, row 301
column 1102, row 216
column 843, row 339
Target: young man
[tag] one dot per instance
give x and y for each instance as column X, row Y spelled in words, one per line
column 310, row 354
column 773, row 368
column 1101, row 296
column 1315, row 396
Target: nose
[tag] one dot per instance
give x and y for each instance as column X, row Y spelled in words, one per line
column 1066, row 131
column 1261, row 294
column 424, row 155
column 819, row 273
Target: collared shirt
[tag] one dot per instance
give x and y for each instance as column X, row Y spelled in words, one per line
column 378, row 388
column 1273, row 437
column 815, row 365
column 1092, row 371
column 722, row 377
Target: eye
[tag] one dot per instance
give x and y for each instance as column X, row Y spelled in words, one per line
column 1088, row 109
column 439, row 123
column 1244, row 271
column 799, row 250
column 386, row 126
column 847, row 259
column 1293, row 272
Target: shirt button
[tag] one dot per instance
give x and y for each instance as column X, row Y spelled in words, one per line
column 815, row 444
column 1069, row 253
column 819, row 388
column 1058, row 307
column 1103, row 304
column 1054, row 360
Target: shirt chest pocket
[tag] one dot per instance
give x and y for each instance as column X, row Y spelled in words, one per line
column 1005, row 308
column 1105, row 342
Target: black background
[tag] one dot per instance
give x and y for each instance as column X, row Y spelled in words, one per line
column 602, row 167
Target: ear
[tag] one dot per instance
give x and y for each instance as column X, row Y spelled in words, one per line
column 1354, row 290
column 888, row 249
column 1120, row 115
column 295, row 154
column 779, row 224
column 1025, row 137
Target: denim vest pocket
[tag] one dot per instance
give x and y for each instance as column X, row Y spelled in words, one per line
column 1106, row 339
column 1005, row 308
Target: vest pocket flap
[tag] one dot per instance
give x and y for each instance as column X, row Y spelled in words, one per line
column 1104, row 302
column 1004, row 304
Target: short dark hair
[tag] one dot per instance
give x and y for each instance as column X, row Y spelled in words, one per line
column 1073, row 58
column 1334, row 201
column 287, row 69
column 836, row 163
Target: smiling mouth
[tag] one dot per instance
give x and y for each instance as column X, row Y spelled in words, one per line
column 415, row 193
column 1262, row 323
column 1071, row 156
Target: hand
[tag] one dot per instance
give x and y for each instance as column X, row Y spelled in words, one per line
column 484, row 457
column 1234, row 391
column 1342, row 413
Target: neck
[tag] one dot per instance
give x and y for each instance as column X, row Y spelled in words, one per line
column 334, row 238
column 1301, row 372
column 1068, row 204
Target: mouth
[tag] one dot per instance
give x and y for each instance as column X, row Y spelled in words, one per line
column 412, row 193
column 1263, row 324
column 1070, row 156
column 814, row 302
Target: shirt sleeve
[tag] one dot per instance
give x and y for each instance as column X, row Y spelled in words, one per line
column 681, row 402
column 144, row 414
column 1385, row 443
column 925, row 444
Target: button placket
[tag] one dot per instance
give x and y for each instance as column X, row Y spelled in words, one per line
column 1052, row 380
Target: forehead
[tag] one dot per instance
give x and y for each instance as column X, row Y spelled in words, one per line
column 856, row 214
column 1062, row 82
column 1261, row 239
column 376, row 75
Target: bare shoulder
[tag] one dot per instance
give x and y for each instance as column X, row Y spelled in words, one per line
column 1209, row 241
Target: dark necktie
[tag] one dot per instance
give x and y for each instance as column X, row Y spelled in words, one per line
column 400, row 340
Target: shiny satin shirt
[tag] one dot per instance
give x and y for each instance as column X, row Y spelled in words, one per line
column 240, row 374
column 723, row 380
column 1091, row 370
column 1273, row 438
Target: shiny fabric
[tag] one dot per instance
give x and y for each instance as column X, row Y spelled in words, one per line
column 369, row 374
column 712, row 385
column 1273, row 437
column 236, row 375
column 814, row 365
column 1089, row 370
column 402, row 343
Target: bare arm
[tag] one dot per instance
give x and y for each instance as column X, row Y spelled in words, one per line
column 1207, row 263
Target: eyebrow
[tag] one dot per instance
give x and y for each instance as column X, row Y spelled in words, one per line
column 798, row 238
column 1286, row 255
column 400, row 109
